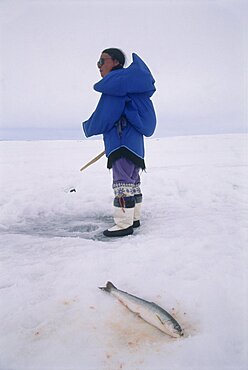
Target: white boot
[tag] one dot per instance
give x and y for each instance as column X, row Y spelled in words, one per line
column 123, row 218
column 137, row 214
column 137, row 210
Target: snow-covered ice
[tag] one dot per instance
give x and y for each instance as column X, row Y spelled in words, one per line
column 188, row 256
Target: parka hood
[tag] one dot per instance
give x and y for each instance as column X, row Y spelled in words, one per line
column 135, row 79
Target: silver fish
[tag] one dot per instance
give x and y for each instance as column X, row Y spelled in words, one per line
column 148, row 311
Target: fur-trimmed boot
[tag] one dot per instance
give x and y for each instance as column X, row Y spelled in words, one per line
column 123, row 217
column 137, row 210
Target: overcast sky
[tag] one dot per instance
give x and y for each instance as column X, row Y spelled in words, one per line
column 196, row 51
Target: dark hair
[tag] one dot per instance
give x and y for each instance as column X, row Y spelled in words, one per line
column 116, row 54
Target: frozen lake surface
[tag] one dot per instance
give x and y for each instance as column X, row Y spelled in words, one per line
column 188, row 256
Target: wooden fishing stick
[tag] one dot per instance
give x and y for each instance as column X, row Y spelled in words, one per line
column 92, row 161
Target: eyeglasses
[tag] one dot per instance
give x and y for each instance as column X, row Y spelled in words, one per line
column 101, row 62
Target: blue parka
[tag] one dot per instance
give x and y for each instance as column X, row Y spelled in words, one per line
column 125, row 111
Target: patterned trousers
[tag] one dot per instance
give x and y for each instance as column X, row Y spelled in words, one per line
column 126, row 183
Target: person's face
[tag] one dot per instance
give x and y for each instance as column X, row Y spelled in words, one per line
column 105, row 64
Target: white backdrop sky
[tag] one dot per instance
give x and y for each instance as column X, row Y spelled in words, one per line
column 196, row 50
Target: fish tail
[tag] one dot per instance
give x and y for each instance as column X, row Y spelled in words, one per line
column 109, row 286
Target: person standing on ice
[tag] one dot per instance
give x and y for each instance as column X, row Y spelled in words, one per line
column 124, row 115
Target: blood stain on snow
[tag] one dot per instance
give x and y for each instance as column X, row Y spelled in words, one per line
column 69, row 301
column 135, row 336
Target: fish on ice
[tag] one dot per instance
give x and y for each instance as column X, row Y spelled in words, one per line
column 148, row 311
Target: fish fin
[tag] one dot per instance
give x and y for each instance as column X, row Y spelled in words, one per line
column 160, row 319
column 109, row 286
